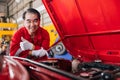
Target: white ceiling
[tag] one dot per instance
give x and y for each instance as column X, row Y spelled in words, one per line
column 3, row 6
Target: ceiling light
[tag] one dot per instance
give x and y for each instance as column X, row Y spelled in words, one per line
column 18, row 1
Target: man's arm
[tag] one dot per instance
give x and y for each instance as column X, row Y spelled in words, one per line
column 46, row 40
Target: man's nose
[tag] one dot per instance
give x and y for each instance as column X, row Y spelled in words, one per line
column 32, row 24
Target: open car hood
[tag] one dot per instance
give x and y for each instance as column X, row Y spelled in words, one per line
column 89, row 29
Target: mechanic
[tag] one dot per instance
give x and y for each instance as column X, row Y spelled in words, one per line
column 30, row 41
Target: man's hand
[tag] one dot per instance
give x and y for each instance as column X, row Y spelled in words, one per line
column 26, row 45
column 39, row 53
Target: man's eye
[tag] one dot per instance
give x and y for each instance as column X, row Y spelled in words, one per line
column 35, row 20
column 28, row 21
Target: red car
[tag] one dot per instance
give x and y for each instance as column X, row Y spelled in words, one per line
column 90, row 31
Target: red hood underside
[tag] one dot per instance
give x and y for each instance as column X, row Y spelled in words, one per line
column 88, row 28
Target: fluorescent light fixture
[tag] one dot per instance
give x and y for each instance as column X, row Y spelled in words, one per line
column 18, row 1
